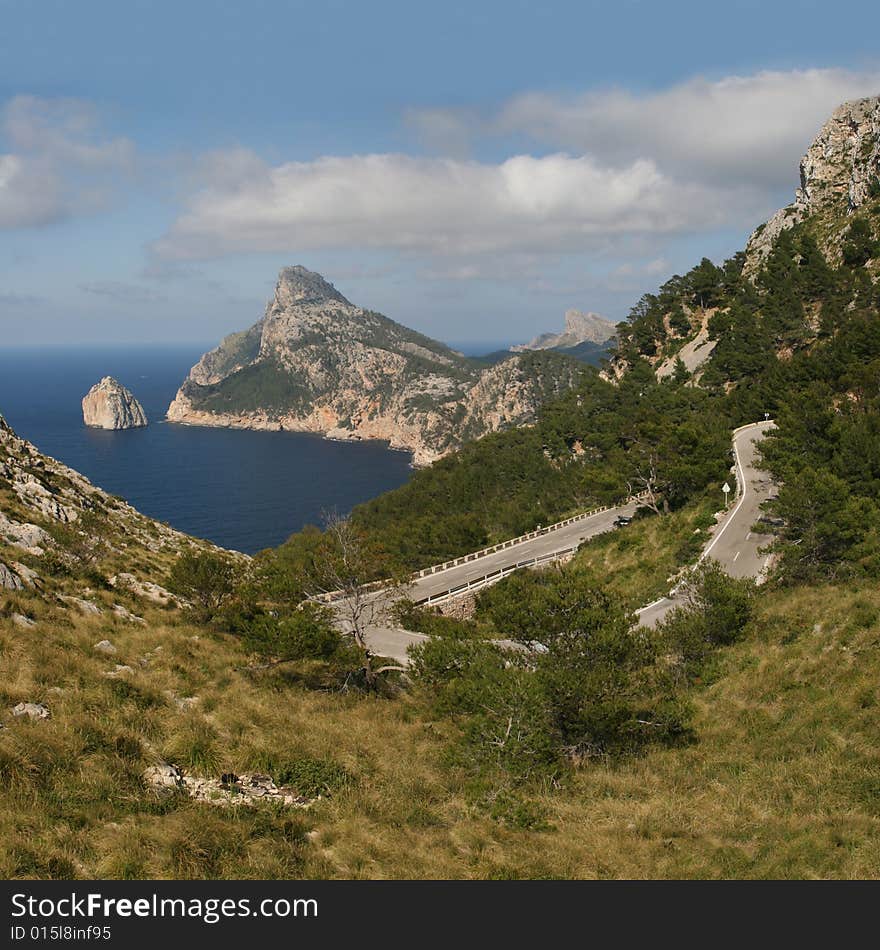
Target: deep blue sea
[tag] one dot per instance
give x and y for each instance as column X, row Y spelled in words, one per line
column 242, row 490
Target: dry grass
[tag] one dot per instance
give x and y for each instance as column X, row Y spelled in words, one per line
column 783, row 780
column 637, row 561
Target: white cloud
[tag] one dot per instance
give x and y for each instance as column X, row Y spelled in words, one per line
column 746, row 130
column 436, row 206
column 57, row 163
column 698, row 156
column 121, row 291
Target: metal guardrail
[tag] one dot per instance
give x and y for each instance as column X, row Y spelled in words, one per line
column 537, row 533
column 491, row 578
column 333, row 596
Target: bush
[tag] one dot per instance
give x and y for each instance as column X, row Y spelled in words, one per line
column 207, row 579
column 585, row 683
column 304, row 634
column 311, row 776
column 717, row 610
column 425, row 620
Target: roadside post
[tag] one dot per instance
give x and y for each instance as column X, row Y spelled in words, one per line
column 726, row 489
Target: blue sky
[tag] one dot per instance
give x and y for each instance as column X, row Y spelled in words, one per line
column 470, row 169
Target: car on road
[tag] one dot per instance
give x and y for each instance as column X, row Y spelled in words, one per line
column 621, row 521
column 771, row 521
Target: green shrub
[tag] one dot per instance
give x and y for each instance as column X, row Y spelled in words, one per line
column 311, row 776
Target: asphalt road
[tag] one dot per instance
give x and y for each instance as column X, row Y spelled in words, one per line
column 734, row 545
column 393, row 642
column 551, row 543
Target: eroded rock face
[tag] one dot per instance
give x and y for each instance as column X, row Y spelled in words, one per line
column 318, row 363
column 9, row 580
column 109, row 405
column 838, row 173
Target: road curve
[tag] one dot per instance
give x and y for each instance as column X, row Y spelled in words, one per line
column 734, row 545
column 393, row 642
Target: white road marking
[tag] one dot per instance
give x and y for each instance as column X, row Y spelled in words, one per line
column 741, row 483
column 653, row 603
column 735, row 556
column 749, row 536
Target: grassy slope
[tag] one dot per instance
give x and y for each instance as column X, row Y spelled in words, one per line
column 636, row 562
column 782, row 779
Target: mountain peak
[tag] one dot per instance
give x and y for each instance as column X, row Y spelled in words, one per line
column 298, row 284
column 840, row 172
column 844, row 159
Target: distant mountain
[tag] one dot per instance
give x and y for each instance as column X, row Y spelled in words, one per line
column 590, row 353
column 579, row 328
column 317, row 363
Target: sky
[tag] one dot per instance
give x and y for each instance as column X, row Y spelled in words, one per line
column 471, row 169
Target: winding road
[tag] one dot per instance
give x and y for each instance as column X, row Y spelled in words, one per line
column 733, row 545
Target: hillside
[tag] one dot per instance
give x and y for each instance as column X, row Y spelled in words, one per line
column 824, row 245
column 172, row 710
column 777, row 776
column 718, row 347
column 317, row 363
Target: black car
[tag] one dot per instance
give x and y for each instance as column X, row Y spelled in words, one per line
column 621, row 521
column 771, row 521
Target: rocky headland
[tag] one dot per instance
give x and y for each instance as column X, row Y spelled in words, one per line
column 579, row 328
column 317, row 363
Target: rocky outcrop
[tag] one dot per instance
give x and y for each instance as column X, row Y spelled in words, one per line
column 109, row 405
column 318, row 363
column 839, row 173
column 228, row 790
column 579, row 328
column 31, row 711
column 9, row 580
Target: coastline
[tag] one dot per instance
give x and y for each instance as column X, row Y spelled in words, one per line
column 320, row 423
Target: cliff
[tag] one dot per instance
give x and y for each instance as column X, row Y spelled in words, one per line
column 109, row 405
column 52, row 518
column 698, row 325
column 839, row 175
column 318, row 363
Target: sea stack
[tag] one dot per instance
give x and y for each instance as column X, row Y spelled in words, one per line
column 109, row 405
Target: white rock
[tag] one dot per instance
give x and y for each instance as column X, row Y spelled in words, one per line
column 109, row 405
column 31, row 710
column 86, row 606
column 146, row 589
column 105, row 646
column 162, row 777
column 125, row 614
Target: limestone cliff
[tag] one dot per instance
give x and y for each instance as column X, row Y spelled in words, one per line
column 318, row 363
column 686, row 325
column 839, row 173
column 109, row 405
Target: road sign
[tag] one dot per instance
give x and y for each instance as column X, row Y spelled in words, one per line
column 725, row 488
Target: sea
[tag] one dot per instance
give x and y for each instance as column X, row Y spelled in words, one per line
column 242, row 490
